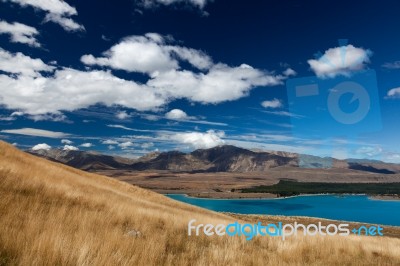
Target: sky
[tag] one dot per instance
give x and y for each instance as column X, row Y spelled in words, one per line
column 132, row 77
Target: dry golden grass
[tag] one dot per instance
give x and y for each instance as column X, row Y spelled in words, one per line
column 52, row 214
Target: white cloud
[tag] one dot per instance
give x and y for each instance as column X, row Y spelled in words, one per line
column 200, row 140
column 275, row 103
column 195, row 57
column 45, row 96
column 144, row 54
column 21, row 64
column 221, row 83
column 283, row 113
column 179, row 115
column 58, row 11
column 148, row 54
column 150, row 117
column 52, row 117
column 147, row 145
column 340, row 61
column 67, row 23
column 176, row 114
column 52, row 6
column 152, row 3
column 125, row 145
column 289, row 72
column 109, row 142
column 36, row 132
column 392, row 65
column 42, row 146
column 20, row 33
column 7, row 118
column 394, row 93
column 87, row 145
column 392, row 157
column 128, row 128
column 122, row 115
column 66, row 141
column 369, row 151
column 17, row 113
column 70, row 148
column 69, row 90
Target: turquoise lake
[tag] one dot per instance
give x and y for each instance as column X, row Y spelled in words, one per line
column 356, row 208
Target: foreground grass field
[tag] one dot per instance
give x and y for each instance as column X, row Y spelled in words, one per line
column 52, row 214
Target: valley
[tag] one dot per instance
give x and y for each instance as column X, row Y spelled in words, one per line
column 228, row 171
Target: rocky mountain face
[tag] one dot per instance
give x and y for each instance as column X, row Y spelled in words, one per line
column 84, row 160
column 218, row 159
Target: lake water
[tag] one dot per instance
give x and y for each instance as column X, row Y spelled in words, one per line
column 356, row 208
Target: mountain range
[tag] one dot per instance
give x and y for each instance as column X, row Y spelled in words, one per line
column 224, row 158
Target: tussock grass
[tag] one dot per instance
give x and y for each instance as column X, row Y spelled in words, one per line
column 51, row 214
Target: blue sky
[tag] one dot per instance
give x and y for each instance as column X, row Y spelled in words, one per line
column 132, row 77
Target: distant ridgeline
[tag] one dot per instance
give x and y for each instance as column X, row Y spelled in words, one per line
column 225, row 158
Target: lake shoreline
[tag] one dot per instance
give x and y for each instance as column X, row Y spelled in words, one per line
column 233, row 195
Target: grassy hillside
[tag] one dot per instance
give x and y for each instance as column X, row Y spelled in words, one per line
column 52, row 214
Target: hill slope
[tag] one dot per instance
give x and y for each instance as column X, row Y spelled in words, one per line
column 52, row 214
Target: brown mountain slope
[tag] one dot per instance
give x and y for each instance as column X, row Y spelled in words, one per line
column 52, row 214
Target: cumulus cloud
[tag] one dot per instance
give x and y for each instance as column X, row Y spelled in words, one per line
column 147, row 145
column 67, row 23
column 65, row 89
column 176, row 114
column 69, row 90
column 125, row 145
column 179, row 115
column 394, row 93
column 289, row 72
column 87, row 145
column 147, row 54
column 57, row 11
column 211, row 83
column 275, row 103
column 122, row 115
column 70, row 148
column 196, row 58
column 19, row 63
column 42, row 146
column 340, row 61
column 36, row 132
column 20, row 33
column 199, row 140
column 66, row 141
column 221, row 83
